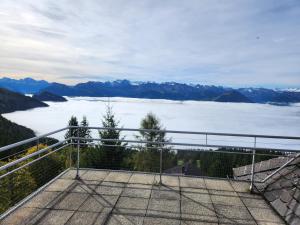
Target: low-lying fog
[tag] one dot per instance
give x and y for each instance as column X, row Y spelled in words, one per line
column 174, row 115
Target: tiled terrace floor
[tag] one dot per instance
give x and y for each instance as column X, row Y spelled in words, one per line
column 106, row 197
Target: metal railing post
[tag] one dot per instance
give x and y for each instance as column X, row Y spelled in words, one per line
column 78, row 155
column 70, row 153
column 253, row 166
column 38, row 146
column 160, row 165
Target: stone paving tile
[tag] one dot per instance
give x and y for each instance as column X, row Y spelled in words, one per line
column 221, row 185
column 82, row 218
column 198, row 211
column 248, row 195
column 141, row 178
column 240, row 186
column 89, row 200
column 226, row 200
column 103, row 216
column 160, row 221
column 265, row 215
column 137, row 190
column 116, row 219
column 167, row 180
column 23, row 216
column 83, row 187
column 189, row 222
column 56, row 217
column 194, row 190
column 223, row 193
column 121, row 177
column 110, row 188
column 232, row 212
column 268, row 223
column 255, row 203
column 162, row 192
column 98, row 203
column 192, row 182
column 224, row 221
column 44, row 199
column 199, row 197
column 60, row 185
column 164, row 207
column 71, row 201
column 96, row 175
column 165, row 188
column 129, row 205
column 71, row 174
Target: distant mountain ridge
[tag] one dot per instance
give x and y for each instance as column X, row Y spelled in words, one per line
column 233, row 96
column 48, row 96
column 168, row 90
column 24, row 86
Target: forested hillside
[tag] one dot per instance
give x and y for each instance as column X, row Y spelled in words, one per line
column 12, row 101
column 48, row 96
column 11, row 132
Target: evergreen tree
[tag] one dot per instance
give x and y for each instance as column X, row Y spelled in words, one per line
column 151, row 122
column 108, row 154
column 72, row 132
column 84, row 132
column 148, row 156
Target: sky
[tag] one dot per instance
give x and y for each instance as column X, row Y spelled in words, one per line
column 236, row 43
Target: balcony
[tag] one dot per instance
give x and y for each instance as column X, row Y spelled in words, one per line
column 77, row 193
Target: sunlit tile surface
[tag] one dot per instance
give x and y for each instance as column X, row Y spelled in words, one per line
column 105, row 197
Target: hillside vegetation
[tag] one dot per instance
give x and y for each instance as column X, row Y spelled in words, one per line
column 48, row 96
column 11, row 132
column 13, row 101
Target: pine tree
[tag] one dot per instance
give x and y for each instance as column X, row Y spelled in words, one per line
column 84, row 132
column 108, row 154
column 72, row 132
column 113, row 151
column 148, row 156
column 151, row 122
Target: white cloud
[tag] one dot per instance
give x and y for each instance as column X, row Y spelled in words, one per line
column 235, row 43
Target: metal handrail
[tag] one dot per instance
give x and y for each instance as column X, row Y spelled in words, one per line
column 26, row 141
column 192, row 132
column 76, row 141
column 17, row 144
column 8, row 165
column 35, row 160
column 184, row 144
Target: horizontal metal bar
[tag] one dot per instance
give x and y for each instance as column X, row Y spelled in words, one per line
column 185, row 144
column 7, row 147
column 193, row 149
column 192, row 132
column 29, row 163
column 8, row 165
column 146, row 130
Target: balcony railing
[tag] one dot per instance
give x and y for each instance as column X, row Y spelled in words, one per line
column 30, row 164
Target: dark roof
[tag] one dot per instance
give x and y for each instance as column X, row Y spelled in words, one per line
column 282, row 190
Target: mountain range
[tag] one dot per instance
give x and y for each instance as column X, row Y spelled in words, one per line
column 152, row 90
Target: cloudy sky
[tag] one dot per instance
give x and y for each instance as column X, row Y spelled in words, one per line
column 231, row 43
